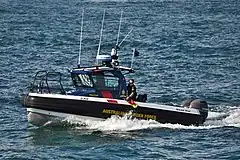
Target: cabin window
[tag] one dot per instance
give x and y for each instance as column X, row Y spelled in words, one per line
column 106, row 82
column 82, row 80
column 99, row 82
column 112, row 83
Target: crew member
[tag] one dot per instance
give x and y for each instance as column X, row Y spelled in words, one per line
column 131, row 89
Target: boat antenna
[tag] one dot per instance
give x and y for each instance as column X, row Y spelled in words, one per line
column 99, row 45
column 80, row 44
column 125, row 37
column 119, row 28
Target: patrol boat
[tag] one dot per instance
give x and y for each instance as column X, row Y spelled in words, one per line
column 97, row 93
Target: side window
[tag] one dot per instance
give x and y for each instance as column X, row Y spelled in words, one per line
column 106, row 81
column 99, row 81
column 112, row 83
column 85, row 80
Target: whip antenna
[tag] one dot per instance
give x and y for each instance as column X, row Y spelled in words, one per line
column 99, row 45
column 119, row 28
column 80, row 45
column 125, row 37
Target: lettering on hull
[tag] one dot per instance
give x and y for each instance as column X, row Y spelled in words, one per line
column 122, row 113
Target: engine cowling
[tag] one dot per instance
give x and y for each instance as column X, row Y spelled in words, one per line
column 187, row 102
column 199, row 104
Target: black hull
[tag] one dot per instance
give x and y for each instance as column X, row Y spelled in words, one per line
column 105, row 110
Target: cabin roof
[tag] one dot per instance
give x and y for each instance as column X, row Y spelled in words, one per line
column 90, row 70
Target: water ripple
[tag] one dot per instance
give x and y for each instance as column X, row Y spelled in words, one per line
column 187, row 49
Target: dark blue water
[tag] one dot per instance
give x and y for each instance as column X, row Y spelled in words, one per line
column 187, row 49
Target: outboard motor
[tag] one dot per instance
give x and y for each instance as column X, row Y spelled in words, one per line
column 187, row 102
column 199, row 104
column 142, row 98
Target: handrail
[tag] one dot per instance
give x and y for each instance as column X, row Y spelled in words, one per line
column 42, row 77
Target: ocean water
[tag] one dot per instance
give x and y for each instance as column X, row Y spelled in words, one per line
column 188, row 49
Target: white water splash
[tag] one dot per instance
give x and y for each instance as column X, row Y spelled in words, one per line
column 233, row 119
column 126, row 123
column 222, row 119
column 216, row 115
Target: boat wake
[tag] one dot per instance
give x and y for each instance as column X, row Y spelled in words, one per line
column 223, row 117
column 230, row 118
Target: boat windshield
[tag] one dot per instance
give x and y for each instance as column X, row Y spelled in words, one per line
column 82, row 80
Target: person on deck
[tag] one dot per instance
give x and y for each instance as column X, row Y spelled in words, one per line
column 131, row 89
